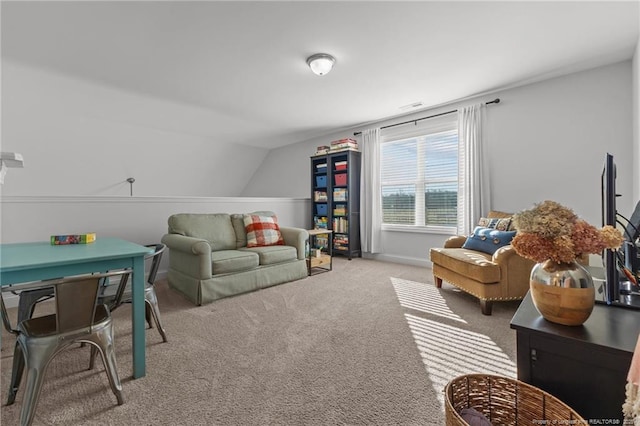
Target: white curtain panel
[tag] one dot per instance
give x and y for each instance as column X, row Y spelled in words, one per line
column 370, row 193
column 473, row 171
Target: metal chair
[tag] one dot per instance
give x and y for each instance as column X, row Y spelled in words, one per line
column 77, row 319
column 29, row 298
column 114, row 295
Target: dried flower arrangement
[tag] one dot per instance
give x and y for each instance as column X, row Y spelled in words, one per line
column 550, row 231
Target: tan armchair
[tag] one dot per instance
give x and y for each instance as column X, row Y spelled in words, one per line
column 498, row 277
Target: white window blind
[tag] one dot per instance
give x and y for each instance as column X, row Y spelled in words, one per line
column 419, row 173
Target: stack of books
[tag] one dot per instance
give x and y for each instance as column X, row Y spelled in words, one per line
column 320, row 222
column 341, row 242
column 339, row 145
column 340, row 210
column 339, row 194
column 320, row 196
column 322, row 149
column 344, row 144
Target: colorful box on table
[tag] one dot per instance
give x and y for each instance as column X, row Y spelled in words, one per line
column 59, row 240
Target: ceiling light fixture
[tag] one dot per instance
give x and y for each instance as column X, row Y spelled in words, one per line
column 321, row 63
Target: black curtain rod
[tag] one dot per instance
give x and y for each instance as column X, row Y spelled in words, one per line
column 495, row 101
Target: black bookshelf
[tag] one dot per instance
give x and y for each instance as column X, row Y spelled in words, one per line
column 335, row 199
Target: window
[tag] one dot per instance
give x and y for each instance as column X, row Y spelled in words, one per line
column 419, row 174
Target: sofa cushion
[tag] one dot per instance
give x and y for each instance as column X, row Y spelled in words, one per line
column 262, row 231
column 273, row 254
column 470, row 263
column 227, row 261
column 488, row 240
column 216, row 228
column 237, row 220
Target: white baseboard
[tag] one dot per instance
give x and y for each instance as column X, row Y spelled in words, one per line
column 414, row 261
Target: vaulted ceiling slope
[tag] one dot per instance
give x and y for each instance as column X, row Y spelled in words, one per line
column 244, row 61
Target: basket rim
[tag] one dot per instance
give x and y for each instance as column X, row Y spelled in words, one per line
column 449, row 406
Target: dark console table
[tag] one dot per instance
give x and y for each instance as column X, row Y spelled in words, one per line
column 585, row 366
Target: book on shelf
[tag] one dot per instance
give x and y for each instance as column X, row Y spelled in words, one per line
column 339, row 194
column 346, row 140
column 320, row 196
column 338, row 145
column 337, row 148
column 344, row 144
column 333, row 151
column 339, row 211
column 320, row 222
column 322, row 149
column 341, row 242
column 340, row 225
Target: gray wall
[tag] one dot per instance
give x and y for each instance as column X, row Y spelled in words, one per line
column 81, row 138
column 546, row 140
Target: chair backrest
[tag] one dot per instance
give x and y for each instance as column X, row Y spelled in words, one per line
column 75, row 300
column 155, row 257
column 123, row 291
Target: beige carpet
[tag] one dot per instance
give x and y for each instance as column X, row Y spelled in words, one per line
column 368, row 343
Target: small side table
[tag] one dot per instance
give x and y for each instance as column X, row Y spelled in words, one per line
column 323, row 262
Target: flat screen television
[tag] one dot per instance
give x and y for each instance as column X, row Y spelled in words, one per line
column 609, row 217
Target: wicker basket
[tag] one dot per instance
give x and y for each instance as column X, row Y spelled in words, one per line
column 505, row 401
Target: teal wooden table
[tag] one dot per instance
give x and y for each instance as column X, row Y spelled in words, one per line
column 24, row 262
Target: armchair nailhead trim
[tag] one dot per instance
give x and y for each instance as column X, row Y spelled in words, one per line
column 503, row 299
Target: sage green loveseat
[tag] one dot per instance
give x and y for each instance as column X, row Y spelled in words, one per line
column 209, row 258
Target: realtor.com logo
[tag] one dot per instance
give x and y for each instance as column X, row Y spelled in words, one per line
column 582, row 422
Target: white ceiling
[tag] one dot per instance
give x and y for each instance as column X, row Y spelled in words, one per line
column 244, row 61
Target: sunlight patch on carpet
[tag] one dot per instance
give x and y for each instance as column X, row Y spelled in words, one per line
column 423, row 297
column 449, row 351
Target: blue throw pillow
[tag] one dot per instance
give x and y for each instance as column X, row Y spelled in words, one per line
column 488, row 240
